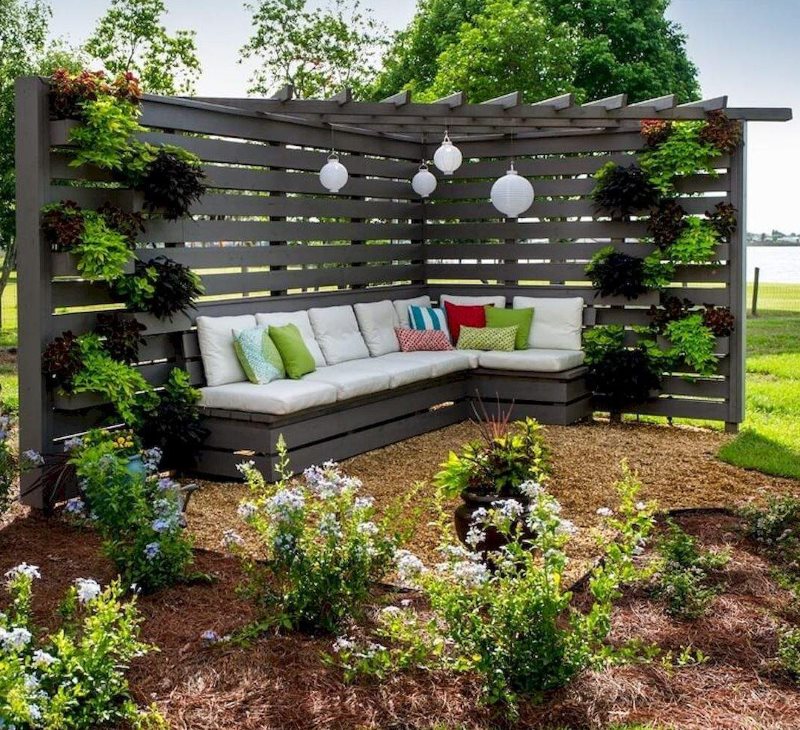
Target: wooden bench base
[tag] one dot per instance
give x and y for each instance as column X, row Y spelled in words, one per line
column 345, row 429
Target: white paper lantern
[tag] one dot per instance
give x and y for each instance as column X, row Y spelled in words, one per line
column 424, row 182
column 448, row 157
column 333, row 174
column 512, row 194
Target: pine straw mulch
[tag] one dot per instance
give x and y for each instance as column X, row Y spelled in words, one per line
column 281, row 682
column 677, row 466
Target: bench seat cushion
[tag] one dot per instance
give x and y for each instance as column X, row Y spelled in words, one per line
column 352, row 379
column 533, row 360
column 276, row 398
column 441, row 362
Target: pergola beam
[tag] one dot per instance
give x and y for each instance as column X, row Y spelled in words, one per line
column 345, row 96
column 452, row 101
column 507, row 101
column 556, row 103
column 401, row 98
column 284, row 93
column 718, row 102
column 609, row 102
column 659, row 103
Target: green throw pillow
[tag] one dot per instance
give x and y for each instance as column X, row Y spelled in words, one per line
column 521, row 318
column 258, row 355
column 487, row 338
column 297, row 360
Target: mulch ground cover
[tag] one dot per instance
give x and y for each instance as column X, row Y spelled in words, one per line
column 282, row 682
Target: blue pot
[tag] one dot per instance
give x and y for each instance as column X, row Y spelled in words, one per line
column 136, row 466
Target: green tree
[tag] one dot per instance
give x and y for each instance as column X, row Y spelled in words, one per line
column 131, row 36
column 510, row 45
column 318, row 51
column 23, row 51
column 628, row 46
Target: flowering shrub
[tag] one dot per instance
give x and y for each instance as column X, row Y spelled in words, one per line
column 513, row 625
column 138, row 514
column 322, row 547
column 74, row 677
column 8, row 465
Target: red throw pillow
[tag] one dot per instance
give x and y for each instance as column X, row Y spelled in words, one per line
column 422, row 340
column 459, row 316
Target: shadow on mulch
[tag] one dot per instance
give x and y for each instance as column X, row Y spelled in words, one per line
column 281, row 681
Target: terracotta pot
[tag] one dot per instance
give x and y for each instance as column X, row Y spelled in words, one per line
column 462, row 517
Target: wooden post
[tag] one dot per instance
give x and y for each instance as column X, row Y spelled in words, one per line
column 33, row 272
column 755, row 291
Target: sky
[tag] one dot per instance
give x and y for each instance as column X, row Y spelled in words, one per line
column 747, row 49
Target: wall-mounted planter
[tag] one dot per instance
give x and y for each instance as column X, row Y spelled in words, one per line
column 65, row 265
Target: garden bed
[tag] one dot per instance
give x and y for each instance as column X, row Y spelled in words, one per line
column 281, row 681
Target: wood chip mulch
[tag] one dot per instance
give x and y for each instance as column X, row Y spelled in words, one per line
column 281, row 682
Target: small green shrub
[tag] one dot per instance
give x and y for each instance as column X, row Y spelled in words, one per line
column 696, row 244
column 514, row 626
column 776, row 527
column 73, row 677
column 693, row 343
column 789, row 651
column 102, row 253
column 102, row 137
column 507, row 456
column 622, row 191
column 681, row 154
column 138, row 514
column 683, row 577
column 322, row 547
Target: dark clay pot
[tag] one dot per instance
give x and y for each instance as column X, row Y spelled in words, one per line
column 462, row 518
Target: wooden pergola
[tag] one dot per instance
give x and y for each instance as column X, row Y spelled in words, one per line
column 290, row 245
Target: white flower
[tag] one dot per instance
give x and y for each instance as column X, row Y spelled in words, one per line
column 212, row 637
column 88, row 589
column 245, row 467
column 75, row 506
column 15, row 639
column 468, row 573
column 475, row 536
column 641, row 506
column 29, row 571
column 530, row 489
column 507, row 509
column 363, row 502
column 73, row 443
column 480, row 515
column 33, row 458
column 566, row 527
column 343, row 644
column 605, row 512
column 409, row 566
column 406, row 602
column 231, row 538
column 41, row 659
column 328, row 481
column 246, row 510
column 285, row 504
column 368, row 528
column 390, row 611
column 329, row 526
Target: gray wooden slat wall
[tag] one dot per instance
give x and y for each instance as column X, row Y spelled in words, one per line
column 268, row 237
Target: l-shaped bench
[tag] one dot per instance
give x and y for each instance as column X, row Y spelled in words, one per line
column 353, row 404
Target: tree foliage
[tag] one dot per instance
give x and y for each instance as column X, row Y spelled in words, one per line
column 318, row 51
column 490, row 47
column 131, row 36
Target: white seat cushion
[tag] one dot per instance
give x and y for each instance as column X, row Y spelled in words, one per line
column 276, row 398
column 215, row 337
column 404, row 367
column 498, row 301
column 556, row 324
column 401, row 308
column 534, row 360
column 336, row 330
column 351, row 379
column 377, row 321
column 299, row 320
column 441, row 362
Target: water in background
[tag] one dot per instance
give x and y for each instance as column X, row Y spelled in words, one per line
column 778, row 264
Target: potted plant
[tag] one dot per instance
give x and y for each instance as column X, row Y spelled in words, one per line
column 499, row 466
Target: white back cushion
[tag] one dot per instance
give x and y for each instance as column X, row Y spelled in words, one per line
column 499, row 302
column 401, row 308
column 299, row 320
column 377, row 321
column 215, row 336
column 556, row 322
column 337, row 333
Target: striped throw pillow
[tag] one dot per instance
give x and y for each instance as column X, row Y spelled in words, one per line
column 427, row 318
column 422, row 340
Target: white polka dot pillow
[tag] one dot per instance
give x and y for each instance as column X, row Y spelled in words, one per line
column 422, row 340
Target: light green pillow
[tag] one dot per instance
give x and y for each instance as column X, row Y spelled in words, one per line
column 297, row 360
column 487, row 338
column 521, row 318
column 258, row 355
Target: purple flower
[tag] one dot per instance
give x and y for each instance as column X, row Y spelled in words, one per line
column 152, row 550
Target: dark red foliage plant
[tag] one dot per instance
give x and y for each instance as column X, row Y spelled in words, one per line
column 719, row 320
column 671, row 309
column 656, row 131
column 70, row 91
column 128, row 224
column 61, row 360
column 724, row 219
column 122, row 336
column 62, row 225
column 667, row 222
column 721, row 132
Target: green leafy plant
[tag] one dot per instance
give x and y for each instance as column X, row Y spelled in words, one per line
column 138, row 514
column 172, row 181
column 174, row 425
column 670, row 309
column 789, row 651
column 114, row 381
column 321, row 545
column 681, row 154
column 508, row 455
column 122, row 336
column 696, row 243
column 622, row 191
column 72, row 677
column 161, row 286
column 693, row 343
column 102, row 253
column 684, row 577
column 514, row 625
column 776, row 528
column 657, row 273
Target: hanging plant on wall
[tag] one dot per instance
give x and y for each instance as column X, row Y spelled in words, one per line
column 623, row 190
column 121, row 336
column 667, row 222
column 722, row 133
column 693, row 343
column 616, row 274
column 719, row 320
column 724, row 219
column 161, row 287
column 697, row 243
